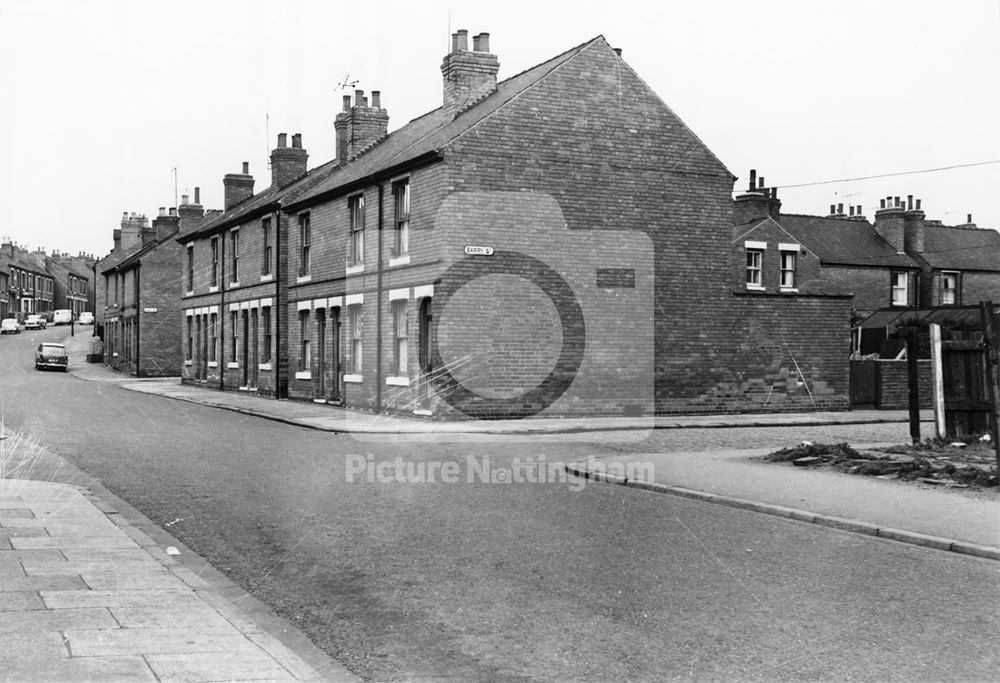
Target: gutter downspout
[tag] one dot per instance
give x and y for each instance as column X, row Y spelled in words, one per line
column 280, row 375
column 138, row 311
column 378, row 309
column 222, row 311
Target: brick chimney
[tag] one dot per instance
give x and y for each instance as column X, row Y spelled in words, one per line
column 116, row 236
column 166, row 224
column 288, row 163
column 191, row 210
column 468, row 76
column 756, row 203
column 968, row 223
column 913, row 227
column 358, row 126
column 133, row 227
column 889, row 223
column 238, row 186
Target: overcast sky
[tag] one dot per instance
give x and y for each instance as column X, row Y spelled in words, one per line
column 102, row 100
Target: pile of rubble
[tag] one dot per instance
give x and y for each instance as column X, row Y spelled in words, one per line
column 955, row 464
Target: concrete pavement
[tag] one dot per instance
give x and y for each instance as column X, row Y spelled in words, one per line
column 87, row 595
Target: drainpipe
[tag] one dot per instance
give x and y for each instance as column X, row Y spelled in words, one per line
column 279, row 374
column 94, row 290
column 378, row 308
column 222, row 312
column 138, row 312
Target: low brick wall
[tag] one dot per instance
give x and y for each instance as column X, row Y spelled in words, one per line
column 894, row 392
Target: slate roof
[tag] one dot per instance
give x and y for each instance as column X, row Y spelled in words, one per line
column 844, row 242
column 260, row 202
column 434, row 130
column 947, row 248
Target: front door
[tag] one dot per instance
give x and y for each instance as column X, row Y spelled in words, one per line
column 245, row 350
column 254, row 346
column 321, row 353
column 424, row 354
column 334, row 324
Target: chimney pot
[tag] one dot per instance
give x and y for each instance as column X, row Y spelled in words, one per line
column 246, row 168
column 173, row 210
column 475, row 44
column 347, row 102
column 359, row 96
column 297, row 141
column 852, row 211
column 163, row 211
column 753, row 179
column 184, row 199
column 454, row 42
column 918, row 205
column 197, row 195
column 377, row 99
column 760, row 182
column 897, row 201
column 968, row 219
column 840, row 208
column 909, row 202
column 364, row 102
column 881, row 203
column 833, row 209
column 282, row 139
column 463, row 40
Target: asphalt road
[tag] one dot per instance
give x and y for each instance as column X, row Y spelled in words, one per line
column 510, row 581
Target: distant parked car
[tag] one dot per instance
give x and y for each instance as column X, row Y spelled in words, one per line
column 86, row 318
column 50, row 356
column 62, row 316
column 35, row 321
column 9, row 326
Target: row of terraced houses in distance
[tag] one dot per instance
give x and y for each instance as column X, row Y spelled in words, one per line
column 33, row 281
column 558, row 242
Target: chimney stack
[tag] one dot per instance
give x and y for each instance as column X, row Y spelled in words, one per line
column 238, row 186
column 889, row 224
column 754, row 204
column 187, row 211
column 359, row 126
column 913, row 228
column 287, row 163
column 165, row 225
column 468, row 76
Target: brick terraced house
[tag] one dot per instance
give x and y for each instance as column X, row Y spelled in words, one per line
column 900, row 260
column 396, row 276
column 142, row 316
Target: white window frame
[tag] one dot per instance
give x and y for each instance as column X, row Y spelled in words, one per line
column 900, row 289
column 755, row 269
column 954, row 275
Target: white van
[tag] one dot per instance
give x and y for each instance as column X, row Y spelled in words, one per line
column 62, row 316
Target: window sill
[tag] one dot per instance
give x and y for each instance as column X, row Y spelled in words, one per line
column 190, row 292
column 353, row 270
column 234, row 284
column 233, row 366
column 789, row 290
column 213, row 290
column 303, row 278
column 354, row 379
column 403, row 260
column 422, row 412
column 266, row 367
column 303, row 375
column 397, row 381
column 267, row 278
column 187, row 363
column 213, row 363
column 756, row 288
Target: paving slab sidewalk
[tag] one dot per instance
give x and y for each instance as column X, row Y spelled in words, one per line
column 958, row 520
column 85, row 595
column 338, row 419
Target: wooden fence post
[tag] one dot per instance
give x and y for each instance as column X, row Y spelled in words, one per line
column 937, row 375
column 913, row 379
column 989, row 340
